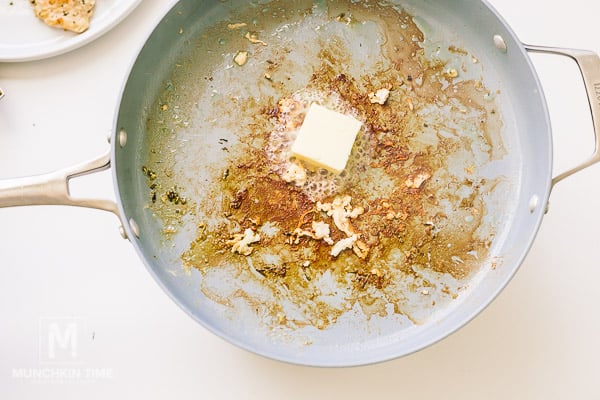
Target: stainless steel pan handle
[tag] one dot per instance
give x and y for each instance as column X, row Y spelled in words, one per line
column 53, row 188
column 589, row 65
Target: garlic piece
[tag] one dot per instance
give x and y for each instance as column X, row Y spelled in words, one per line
column 241, row 58
column 341, row 211
column 343, row 244
column 379, row 97
column 296, row 174
column 241, row 242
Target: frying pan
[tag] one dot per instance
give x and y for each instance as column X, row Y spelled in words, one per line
column 519, row 206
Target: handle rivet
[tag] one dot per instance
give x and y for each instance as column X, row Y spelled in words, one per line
column 123, row 232
column 135, row 228
column 122, row 138
column 534, row 203
column 500, row 43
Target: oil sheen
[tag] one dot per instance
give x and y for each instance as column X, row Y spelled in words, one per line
column 409, row 212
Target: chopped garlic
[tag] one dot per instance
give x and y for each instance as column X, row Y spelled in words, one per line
column 241, row 58
column 253, row 38
column 341, row 211
column 361, row 249
column 321, row 231
column 296, row 174
column 452, row 73
column 237, row 26
column 343, row 244
column 241, row 242
column 379, row 97
column 416, row 181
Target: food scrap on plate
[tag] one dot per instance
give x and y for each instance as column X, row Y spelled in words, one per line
column 70, row 15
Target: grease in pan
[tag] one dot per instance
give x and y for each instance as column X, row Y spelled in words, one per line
column 398, row 234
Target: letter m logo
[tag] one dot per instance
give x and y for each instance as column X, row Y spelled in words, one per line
column 60, row 340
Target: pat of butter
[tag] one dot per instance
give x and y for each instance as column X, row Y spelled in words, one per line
column 326, row 138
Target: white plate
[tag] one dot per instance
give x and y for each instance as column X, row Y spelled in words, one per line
column 24, row 37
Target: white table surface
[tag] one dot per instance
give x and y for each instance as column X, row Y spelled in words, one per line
column 539, row 340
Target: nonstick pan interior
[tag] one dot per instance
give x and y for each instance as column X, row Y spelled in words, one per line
column 169, row 78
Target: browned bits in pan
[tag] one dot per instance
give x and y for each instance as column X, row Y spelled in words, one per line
column 421, row 227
